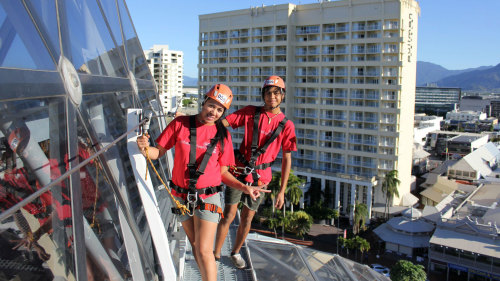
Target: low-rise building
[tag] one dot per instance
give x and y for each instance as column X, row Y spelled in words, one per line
column 447, row 144
column 423, row 125
column 477, row 164
column 468, row 243
column 463, row 116
column 406, row 235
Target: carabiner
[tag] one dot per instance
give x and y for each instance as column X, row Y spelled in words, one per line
column 191, row 201
column 248, row 170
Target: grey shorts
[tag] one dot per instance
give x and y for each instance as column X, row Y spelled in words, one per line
column 234, row 196
column 204, row 214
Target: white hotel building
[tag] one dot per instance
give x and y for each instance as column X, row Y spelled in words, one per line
column 350, row 70
column 167, row 68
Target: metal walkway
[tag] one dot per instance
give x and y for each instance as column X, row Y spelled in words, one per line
column 225, row 271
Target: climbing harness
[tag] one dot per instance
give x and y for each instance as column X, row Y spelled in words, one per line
column 250, row 167
column 193, row 200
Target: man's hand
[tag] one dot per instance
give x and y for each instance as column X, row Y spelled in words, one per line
column 254, row 191
column 280, row 200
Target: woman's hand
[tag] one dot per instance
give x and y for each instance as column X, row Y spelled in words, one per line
column 143, row 142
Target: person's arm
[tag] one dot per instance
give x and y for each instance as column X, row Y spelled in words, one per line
column 225, row 123
column 231, row 181
column 154, row 152
column 286, row 166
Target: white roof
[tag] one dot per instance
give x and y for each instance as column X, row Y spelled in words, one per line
column 473, row 243
column 410, row 226
column 480, row 158
column 409, row 200
column 388, row 235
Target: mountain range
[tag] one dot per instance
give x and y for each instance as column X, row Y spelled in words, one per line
column 480, row 79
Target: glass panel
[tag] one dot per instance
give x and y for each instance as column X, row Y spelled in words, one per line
column 35, row 154
column 107, row 121
column 110, row 11
column 101, row 214
column 135, row 55
column 21, row 46
column 44, row 14
column 90, row 46
column 278, row 262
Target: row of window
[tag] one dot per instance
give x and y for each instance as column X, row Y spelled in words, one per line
column 300, row 30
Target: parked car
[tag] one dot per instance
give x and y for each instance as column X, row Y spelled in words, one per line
column 381, row 269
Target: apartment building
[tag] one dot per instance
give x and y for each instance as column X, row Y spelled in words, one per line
column 167, row 69
column 350, row 70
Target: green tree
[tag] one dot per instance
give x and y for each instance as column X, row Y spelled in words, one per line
column 350, row 245
column 360, row 215
column 362, row 245
column 342, row 242
column 273, row 224
column 274, row 186
column 299, row 223
column 405, row 270
column 293, row 191
column 390, row 188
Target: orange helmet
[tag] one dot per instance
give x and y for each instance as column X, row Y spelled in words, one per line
column 222, row 94
column 274, row 81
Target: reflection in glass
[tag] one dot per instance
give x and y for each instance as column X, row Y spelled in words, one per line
column 33, row 154
column 21, row 46
column 90, row 46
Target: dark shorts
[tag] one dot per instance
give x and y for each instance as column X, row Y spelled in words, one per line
column 235, row 196
column 205, row 214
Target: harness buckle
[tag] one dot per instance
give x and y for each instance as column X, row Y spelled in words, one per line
column 192, row 197
column 192, row 183
column 191, row 202
column 248, row 170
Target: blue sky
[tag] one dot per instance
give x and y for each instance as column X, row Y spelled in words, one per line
column 456, row 34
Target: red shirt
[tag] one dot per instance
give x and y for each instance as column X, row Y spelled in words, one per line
column 286, row 139
column 15, row 186
column 177, row 134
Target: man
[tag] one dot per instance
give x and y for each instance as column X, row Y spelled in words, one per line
column 267, row 130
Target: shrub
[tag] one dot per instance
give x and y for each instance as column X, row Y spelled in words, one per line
column 298, row 223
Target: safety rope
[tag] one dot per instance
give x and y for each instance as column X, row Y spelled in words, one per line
column 182, row 208
column 94, row 219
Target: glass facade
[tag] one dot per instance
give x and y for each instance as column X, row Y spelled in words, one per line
column 69, row 72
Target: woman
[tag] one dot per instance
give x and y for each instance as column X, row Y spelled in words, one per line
column 199, row 170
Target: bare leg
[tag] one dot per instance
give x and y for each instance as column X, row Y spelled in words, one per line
column 223, row 227
column 205, row 235
column 190, row 232
column 243, row 228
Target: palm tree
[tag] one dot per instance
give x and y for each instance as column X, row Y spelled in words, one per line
column 293, row 191
column 390, row 188
column 360, row 215
column 274, row 186
column 342, row 241
column 362, row 245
